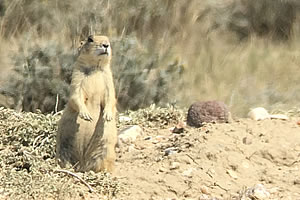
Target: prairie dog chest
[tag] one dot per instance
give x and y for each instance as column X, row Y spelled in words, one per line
column 93, row 82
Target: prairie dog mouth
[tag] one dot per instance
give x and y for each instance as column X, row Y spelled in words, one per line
column 99, row 52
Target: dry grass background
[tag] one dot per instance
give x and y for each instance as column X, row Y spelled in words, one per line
column 243, row 52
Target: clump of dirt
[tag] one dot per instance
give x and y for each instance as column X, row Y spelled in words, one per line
column 28, row 166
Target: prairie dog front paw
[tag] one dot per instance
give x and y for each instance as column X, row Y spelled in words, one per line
column 85, row 115
column 107, row 114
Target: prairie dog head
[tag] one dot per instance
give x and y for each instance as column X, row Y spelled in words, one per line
column 95, row 50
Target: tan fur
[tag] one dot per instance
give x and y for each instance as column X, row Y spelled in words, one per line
column 87, row 132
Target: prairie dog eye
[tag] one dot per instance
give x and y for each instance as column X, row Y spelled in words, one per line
column 90, row 39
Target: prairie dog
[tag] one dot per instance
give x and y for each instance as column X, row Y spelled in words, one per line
column 87, row 132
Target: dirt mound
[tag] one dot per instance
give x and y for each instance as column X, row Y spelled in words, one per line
column 244, row 159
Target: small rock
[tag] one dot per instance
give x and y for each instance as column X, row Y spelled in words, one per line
column 296, row 182
column 179, row 128
column 259, row 192
column 259, row 114
column 174, row 165
column 245, row 165
column 148, row 138
column 207, row 111
column 130, row 134
column 161, row 180
column 188, row 173
column 124, row 119
column 247, row 141
column 158, row 139
column 204, row 190
column 162, row 169
column 279, row 116
column 170, row 151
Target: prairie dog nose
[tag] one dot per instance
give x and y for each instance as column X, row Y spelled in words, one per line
column 105, row 46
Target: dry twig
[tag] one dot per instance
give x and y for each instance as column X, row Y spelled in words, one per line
column 76, row 176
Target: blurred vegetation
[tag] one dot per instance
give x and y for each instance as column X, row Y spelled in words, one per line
column 242, row 52
column 42, row 77
column 28, row 166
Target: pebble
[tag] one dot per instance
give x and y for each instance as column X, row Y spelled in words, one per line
column 204, row 190
column 170, row 151
column 162, row 169
column 259, row 192
column 247, row 141
column 174, row 165
column 161, row 180
column 245, row 165
column 158, row 139
column 179, row 128
column 124, row 119
column 188, row 173
column 148, row 138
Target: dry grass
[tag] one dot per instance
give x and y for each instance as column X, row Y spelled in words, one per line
column 227, row 54
column 28, row 166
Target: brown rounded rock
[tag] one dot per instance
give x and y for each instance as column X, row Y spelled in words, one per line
column 207, row 111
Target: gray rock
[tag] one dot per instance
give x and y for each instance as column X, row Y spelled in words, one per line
column 130, row 134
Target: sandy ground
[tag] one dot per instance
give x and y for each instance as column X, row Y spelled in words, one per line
column 214, row 162
column 217, row 160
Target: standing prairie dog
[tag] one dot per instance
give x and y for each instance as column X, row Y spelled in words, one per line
column 87, row 132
